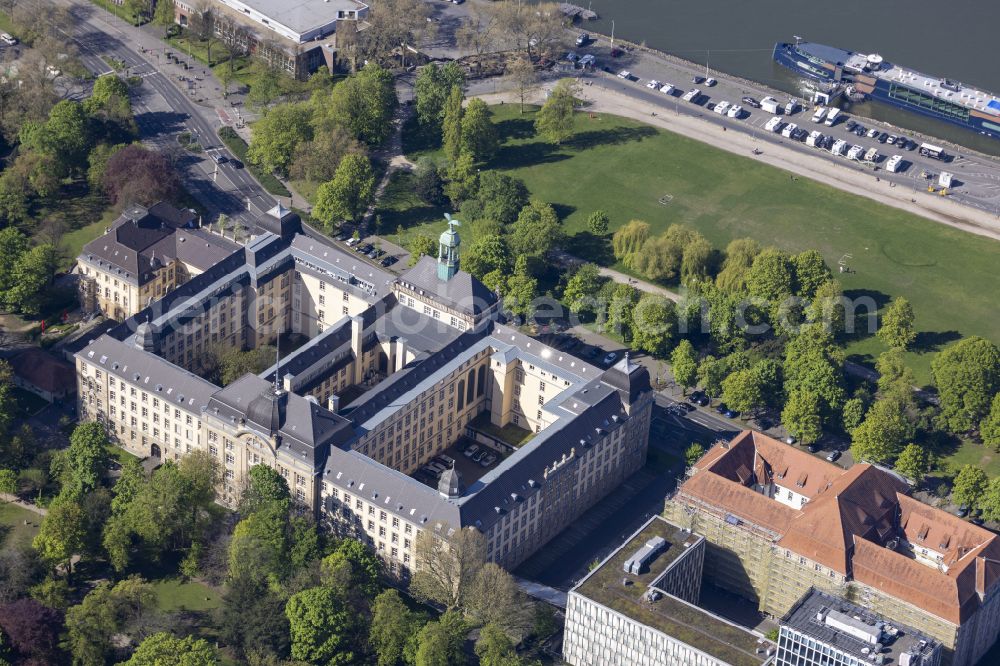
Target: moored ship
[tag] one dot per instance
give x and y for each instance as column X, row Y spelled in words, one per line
column 873, row 77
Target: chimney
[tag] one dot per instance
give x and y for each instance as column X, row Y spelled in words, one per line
column 400, row 353
column 287, row 380
column 333, row 404
column 357, row 326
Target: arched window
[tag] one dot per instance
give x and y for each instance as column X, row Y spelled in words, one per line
column 470, row 389
column 481, row 381
column 461, row 393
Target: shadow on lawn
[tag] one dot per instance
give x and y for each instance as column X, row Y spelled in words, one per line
column 527, row 154
column 609, row 137
column 932, row 341
column 591, row 248
column 515, row 129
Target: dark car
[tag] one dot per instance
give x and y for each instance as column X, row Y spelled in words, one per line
column 833, row 456
column 883, row 137
column 342, row 236
column 911, row 144
column 378, row 253
column 764, row 424
column 750, row 101
column 800, row 134
column 813, row 448
column 850, row 125
column 365, row 249
column 616, row 53
column 389, row 261
column 697, row 79
column 698, row 398
column 722, row 409
column 236, row 164
column 860, row 130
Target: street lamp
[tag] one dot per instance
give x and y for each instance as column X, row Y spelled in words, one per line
column 612, row 35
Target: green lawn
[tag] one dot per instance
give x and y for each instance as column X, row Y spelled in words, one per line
column 28, row 403
column 12, row 527
column 72, row 242
column 970, row 453
column 198, row 49
column 625, row 168
column 172, row 594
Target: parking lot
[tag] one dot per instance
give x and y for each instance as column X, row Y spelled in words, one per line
column 472, row 467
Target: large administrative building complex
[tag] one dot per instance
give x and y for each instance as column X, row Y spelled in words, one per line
column 780, row 522
column 393, row 372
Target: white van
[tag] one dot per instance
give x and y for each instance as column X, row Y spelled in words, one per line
column 832, row 117
column 815, row 138
column 819, row 114
column 894, row 163
column 774, row 124
column 770, row 105
column 944, row 179
column 691, row 95
column 871, row 155
column 855, row 152
column 839, row 147
column 722, row 107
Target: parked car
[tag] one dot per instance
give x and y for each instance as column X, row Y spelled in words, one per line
column 699, row 398
column 833, row 456
column 478, row 457
column 8, row 39
column 488, row 460
column 582, row 39
column 609, row 358
column 366, row 248
column 790, row 439
column 446, row 460
column 872, row 133
column 710, row 82
column 860, row 130
column 389, row 261
column 653, row 84
column 471, row 451
column 850, row 125
column 625, row 74
column 220, row 158
column 813, row 448
column 342, row 236
column 750, row 101
column 697, row 79
column 883, row 137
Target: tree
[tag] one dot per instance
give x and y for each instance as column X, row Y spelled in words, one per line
column 165, row 649
column 440, row 643
column 32, row 274
column 494, row 647
column 259, row 547
column 582, row 289
column 129, row 483
column 661, row 257
column 317, row 160
column 65, row 135
column 811, row 271
column 654, row 324
column 487, row 253
column 881, row 436
column 353, row 566
column 627, row 240
column 346, row 197
column 801, row 416
column 61, row 534
column 740, row 255
column 967, row 375
column 770, row 276
column 853, row 413
column 521, row 289
column 914, row 462
column 599, row 223
column 494, row 599
column 421, row 246
column 252, row 617
column 502, row 197
column 104, row 611
column 969, row 487
column 8, row 481
column 447, row 567
column 265, row 486
column 696, row 260
column 693, row 454
column 813, row 363
column 393, row 24
column 451, row 126
column 989, row 504
column 897, row 330
column 277, row 135
column 989, row 427
column 164, row 13
column 393, row 626
column 520, row 75
column 827, row 308
column 86, row 459
column 136, row 175
column 202, row 24
column 110, row 100
column 479, row 136
column 684, row 364
column 363, row 103
column 432, row 87
column 711, row 372
column 554, row 121
column 621, row 305
column 536, row 231
column 741, row 391
column 32, row 630
column 895, row 378
column 320, row 627
column 427, row 181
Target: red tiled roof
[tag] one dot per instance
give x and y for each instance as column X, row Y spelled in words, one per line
column 850, row 517
column 43, row 370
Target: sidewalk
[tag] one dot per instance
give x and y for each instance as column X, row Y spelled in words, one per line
column 12, row 499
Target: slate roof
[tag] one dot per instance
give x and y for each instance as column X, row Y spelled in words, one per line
column 144, row 239
column 462, row 292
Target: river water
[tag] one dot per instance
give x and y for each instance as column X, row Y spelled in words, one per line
column 955, row 39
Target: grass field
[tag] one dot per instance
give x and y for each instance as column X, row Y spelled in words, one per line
column 173, row 594
column 12, row 527
column 625, row 168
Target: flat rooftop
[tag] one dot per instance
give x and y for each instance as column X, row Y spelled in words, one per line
column 683, row 621
column 805, row 618
column 300, row 15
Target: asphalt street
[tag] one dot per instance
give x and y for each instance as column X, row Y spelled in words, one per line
column 164, row 108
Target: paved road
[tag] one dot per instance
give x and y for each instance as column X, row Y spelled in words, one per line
column 165, row 106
